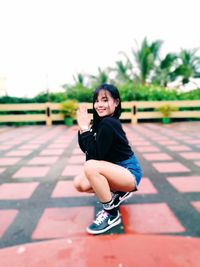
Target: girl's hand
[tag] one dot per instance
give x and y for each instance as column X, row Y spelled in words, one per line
column 83, row 119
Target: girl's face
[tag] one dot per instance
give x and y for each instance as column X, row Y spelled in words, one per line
column 105, row 104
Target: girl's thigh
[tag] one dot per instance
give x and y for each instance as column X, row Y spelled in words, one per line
column 118, row 177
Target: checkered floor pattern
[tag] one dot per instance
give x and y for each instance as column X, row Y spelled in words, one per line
column 38, row 200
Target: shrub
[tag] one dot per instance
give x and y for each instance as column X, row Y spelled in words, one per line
column 69, row 108
column 166, row 110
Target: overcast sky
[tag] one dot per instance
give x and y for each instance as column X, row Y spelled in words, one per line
column 43, row 43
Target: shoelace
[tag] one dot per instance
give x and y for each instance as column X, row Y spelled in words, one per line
column 101, row 216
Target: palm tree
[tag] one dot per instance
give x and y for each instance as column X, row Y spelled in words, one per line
column 122, row 71
column 79, row 79
column 189, row 66
column 100, row 78
column 164, row 72
column 146, row 57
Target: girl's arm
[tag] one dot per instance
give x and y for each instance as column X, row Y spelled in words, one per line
column 97, row 147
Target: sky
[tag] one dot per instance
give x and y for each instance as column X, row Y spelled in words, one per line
column 43, row 43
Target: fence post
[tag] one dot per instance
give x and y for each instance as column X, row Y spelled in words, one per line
column 48, row 114
column 134, row 114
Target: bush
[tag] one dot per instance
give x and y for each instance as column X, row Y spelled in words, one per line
column 166, row 110
column 192, row 95
column 130, row 91
column 126, row 91
column 68, row 108
column 80, row 93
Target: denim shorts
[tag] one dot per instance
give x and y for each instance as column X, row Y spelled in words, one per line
column 133, row 165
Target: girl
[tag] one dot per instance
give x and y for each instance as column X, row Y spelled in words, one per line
column 111, row 169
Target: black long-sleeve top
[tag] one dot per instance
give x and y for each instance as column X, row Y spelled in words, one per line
column 109, row 143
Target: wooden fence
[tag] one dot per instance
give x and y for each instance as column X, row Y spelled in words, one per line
column 133, row 111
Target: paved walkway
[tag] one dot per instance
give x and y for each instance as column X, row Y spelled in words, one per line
column 43, row 218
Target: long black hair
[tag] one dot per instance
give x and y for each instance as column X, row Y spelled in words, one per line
column 115, row 95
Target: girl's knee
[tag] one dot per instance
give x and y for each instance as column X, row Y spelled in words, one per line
column 81, row 185
column 90, row 166
column 77, row 183
column 78, row 186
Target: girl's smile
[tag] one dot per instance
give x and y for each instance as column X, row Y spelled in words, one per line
column 105, row 104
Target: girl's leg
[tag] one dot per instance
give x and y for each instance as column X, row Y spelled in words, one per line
column 104, row 176
column 82, row 184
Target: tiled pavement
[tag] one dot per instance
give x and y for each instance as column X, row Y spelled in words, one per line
column 38, row 201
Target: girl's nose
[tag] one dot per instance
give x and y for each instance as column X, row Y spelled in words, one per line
column 100, row 104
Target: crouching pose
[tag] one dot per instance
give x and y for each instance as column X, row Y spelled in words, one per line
column 111, row 170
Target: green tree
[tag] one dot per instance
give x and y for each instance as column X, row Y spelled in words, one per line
column 146, row 57
column 79, row 92
column 164, row 72
column 122, row 71
column 79, row 78
column 101, row 77
column 189, row 66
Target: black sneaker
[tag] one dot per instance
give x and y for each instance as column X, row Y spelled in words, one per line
column 103, row 222
column 119, row 197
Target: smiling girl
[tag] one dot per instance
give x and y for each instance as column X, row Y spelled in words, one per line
column 111, row 170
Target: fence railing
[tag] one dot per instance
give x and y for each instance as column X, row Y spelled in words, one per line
column 133, row 111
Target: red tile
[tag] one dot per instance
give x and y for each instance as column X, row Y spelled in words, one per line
column 48, row 152
column 13, row 142
column 135, row 139
column 63, row 141
column 165, row 143
column 147, row 149
column 157, row 156
column 9, row 161
column 149, row 219
column 2, row 170
column 17, row 190
column 182, row 137
column 160, row 137
column 67, row 189
column 196, row 205
column 72, row 170
column 43, row 160
column 29, row 146
column 146, row 187
column 77, row 151
column 197, row 163
column 170, row 167
column 63, row 222
column 193, row 141
column 140, row 143
column 190, row 155
column 5, row 147
column 57, row 145
column 19, row 153
column 179, row 148
column 27, row 172
column 185, row 183
column 6, row 218
column 76, row 159
column 39, row 141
